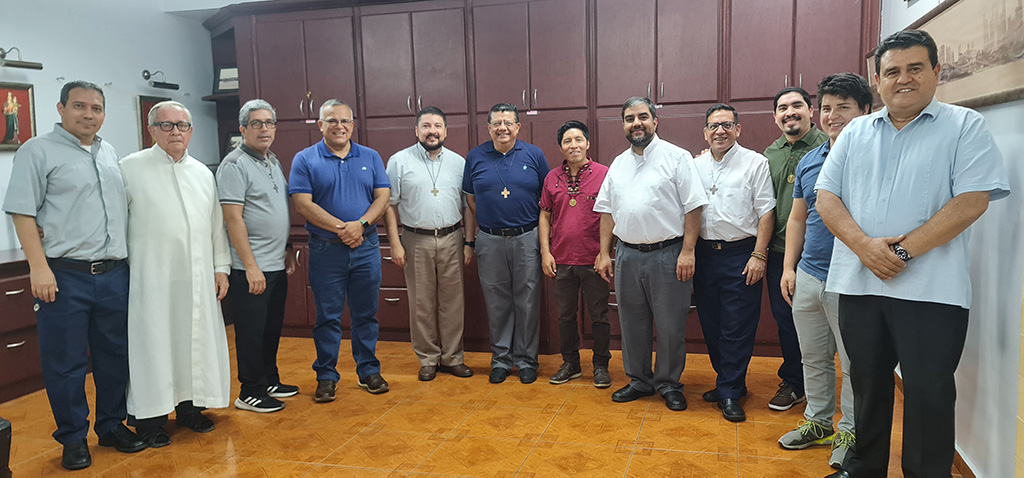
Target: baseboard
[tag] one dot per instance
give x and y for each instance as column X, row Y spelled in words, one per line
column 959, row 465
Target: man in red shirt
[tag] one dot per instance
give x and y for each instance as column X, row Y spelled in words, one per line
column 570, row 233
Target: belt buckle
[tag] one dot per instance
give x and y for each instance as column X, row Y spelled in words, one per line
column 645, row 247
column 437, row 232
column 716, row 246
column 96, row 268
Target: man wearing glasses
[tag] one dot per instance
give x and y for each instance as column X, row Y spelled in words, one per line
column 502, row 181
column 254, row 197
column 180, row 259
column 341, row 188
column 731, row 254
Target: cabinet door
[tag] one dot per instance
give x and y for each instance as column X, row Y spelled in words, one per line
column 818, row 55
column 292, row 137
column 761, row 48
column 544, row 131
column 688, row 57
column 16, row 303
column 439, row 43
column 330, row 62
column 683, row 126
column 558, row 54
column 295, row 306
column 625, row 50
column 281, row 66
column 388, row 136
column 387, row 64
column 608, row 136
column 758, row 123
column 501, row 50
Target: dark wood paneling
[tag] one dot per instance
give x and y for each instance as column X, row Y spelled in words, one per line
column 625, row 50
column 502, row 64
column 281, row 67
column 295, row 305
column 760, row 48
column 758, row 124
column 19, row 354
column 558, row 54
column 683, row 126
column 16, row 303
column 330, row 62
column 387, row 64
column 544, row 131
column 824, row 47
column 688, row 57
column 439, row 43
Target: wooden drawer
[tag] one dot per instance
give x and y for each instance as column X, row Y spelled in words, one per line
column 390, row 274
column 393, row 310
column 16, row 304
column 19, row 354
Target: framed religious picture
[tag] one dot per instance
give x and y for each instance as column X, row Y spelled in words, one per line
column 233, row 141
column 226, row 80
column 19, row 111
column 146, row 103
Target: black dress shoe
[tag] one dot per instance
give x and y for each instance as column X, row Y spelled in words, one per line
column 839, row 474
column 427, row 373
column 196, row 422
column 732, row 410
column 153, row 437
column 123, row 440
column 675, row 400
column 628, row 394
column 76, row 455
column 711, row 396
column 498, row 375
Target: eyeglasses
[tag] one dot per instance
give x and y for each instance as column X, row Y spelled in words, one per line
column 257, row 124
column 498, row 124
column 334, row 122
column 726, row 125
column 167, row 126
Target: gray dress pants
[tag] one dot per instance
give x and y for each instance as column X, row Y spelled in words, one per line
column 510, row 277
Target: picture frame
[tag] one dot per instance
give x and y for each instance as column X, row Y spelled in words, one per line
column 144, row 104
column 981, row 51
column 17, row 103
column 231, row 141
column 225, row 80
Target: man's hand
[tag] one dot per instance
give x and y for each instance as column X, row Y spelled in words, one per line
column 221, row 280
column 398, row 254
column 754, row 270
column 257, row 282
column 44, row 284
column 547, row 264
column 351, row 233
column 877, row 255
column 684, row 265
column 603, row 266
column 788, row 285
column 468, row 253
column 290, row 262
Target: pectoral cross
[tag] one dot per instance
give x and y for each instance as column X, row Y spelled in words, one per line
column 505, row 193
column 714, row 189
column 434, row 191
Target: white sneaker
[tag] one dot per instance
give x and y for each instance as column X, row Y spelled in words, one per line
column 259, row 404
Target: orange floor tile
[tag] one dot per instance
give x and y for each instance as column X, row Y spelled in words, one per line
column 456, row 427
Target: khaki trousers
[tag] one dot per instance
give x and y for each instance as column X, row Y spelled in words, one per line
column 433, row 274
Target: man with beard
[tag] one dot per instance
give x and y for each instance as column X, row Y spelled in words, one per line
column 502, row 181
column 792, row 110
column 426, row 188
column 646, row 192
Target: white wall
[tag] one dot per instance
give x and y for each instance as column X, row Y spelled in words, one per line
column 987, row 379
column 108, row 42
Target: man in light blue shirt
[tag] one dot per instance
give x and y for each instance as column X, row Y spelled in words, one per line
column 899, row 189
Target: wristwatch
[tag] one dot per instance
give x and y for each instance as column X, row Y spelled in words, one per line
column 471, row 244
column 901, row 252
column 365, row 224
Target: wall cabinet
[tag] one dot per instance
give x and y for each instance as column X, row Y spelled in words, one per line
column 20, row 369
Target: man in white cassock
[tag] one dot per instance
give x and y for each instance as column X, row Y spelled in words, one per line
column 179, row 257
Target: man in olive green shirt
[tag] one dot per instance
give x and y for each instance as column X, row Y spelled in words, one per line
column 792, row 109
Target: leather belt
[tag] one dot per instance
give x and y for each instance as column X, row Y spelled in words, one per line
column 444, row 231
column 510, row 231
column 654, row 247
column 723, row 245
column 92, row 267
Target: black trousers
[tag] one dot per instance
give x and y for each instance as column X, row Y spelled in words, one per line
column 181, row 410
column 569, row 282
column 258, row 323
column 926, row 339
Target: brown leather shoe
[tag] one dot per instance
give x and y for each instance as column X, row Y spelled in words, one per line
column 427, row 373
column 460, row 370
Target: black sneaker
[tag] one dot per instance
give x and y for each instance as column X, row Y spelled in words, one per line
column 527, row 375
column 259, row 404
column 374, row 384
column 566, row 372
column 785, row 398
column 601, row 377
column 498, row 375
column 281, row 390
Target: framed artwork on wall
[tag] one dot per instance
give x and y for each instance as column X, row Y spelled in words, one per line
column 226, row 80
column 19, row 112
column 146, row 103
column 233, row 140
column 981, row 50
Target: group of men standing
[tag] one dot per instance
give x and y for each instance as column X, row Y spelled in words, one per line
column 898, row 184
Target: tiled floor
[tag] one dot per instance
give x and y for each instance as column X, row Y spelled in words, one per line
column 457, row 427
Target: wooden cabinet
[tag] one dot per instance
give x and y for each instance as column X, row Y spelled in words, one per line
column 292, row 137
column 387, row 136
column 300, row 62
column 295, row 306
column 20, row 369
column 824, row 47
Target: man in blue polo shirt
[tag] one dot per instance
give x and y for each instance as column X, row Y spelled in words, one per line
column 502, row 181
column 342, row 190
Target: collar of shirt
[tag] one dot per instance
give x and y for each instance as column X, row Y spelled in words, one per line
column 564, row 171
column 807, row 140
column 353, row 151
column 269, row 157
column 72, row 139
column 647, row 149
column 426, row 154
column 929, row 111
column 160, row 151
column 515, row 147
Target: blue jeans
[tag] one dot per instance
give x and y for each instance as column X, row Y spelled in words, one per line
column 337, row 271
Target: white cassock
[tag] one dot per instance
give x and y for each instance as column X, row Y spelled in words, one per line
column 177, row 347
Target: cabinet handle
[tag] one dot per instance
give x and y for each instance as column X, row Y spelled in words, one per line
column 408, row 102
column 297, row 251
column 648, row 89
column 801, row 80
column 386, row 258
column 19, row 344
column 535, row 97
column 613, row 304
column 693, row 307
column 311, row 108
column 785, row 80
column 419, row 102
column 661, row 95
column 386, row 299
column 14, row 292
column 524, row 98
column 301, row 103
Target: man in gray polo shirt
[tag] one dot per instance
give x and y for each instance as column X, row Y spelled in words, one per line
column 254, row 196
column 426, row 187
column 66, row 183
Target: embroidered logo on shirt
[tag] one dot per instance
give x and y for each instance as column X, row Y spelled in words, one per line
column 364, row 168
column 524, row 167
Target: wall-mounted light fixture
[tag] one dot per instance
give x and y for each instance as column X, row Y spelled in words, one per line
column 146, row 75
column 19, row 63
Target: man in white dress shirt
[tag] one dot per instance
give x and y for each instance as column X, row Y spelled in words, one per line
column 651, row 200
column 426, row 188
column 180, row 259
column 731, row 254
